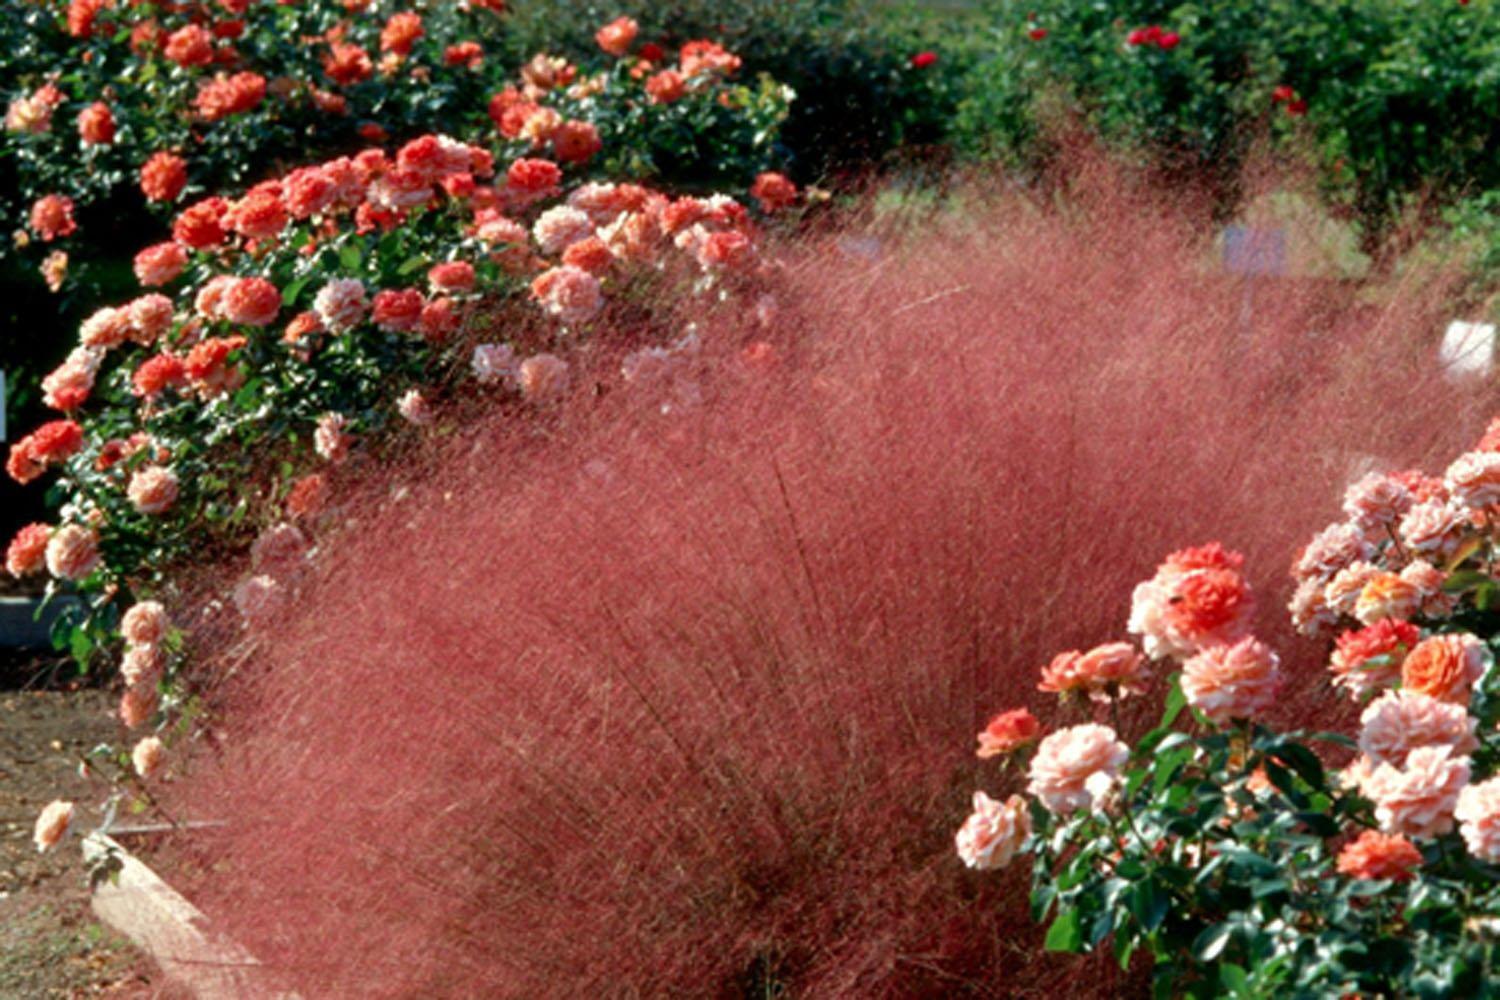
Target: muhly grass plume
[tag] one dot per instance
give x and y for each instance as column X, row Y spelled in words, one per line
column 674, row 690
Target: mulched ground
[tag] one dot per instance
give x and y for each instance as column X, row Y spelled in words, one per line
column 50, row 944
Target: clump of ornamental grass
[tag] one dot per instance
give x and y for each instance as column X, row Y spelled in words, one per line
column 668, row 691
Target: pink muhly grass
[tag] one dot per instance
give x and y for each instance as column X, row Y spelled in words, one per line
column 636, row 703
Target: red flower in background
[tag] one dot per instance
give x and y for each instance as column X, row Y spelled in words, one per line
column 190, row 46
column 163, row 177
column 96, row 124
column 923, row 59
column 52, row 217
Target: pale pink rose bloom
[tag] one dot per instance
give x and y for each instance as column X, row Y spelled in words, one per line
column 414, row 409
column 493, row 362
column 1400, row 721
column 329, row 439
column 1065, row 761
column 1232, row 682
column 399, row 190
column 1376, row 501
column 148, row 756
column 1311, row 614
column 145, row 623
column 1354, row 776
column 1331, row 549
column 1386, row 595
column 501, row 230
column 1478, row 814
column 152, row 489
column 560, row 227
column 1434, row 528
column 52, row 825
column 341, row 304
column 150, row 317
column 1417, row 801
column 105, row 328
column 569, row 293
column 138, row 704
column 259, row 600
column 543, row 377
column 209, row 301
column 280, row 549
column 143, row 662
column 601, row 201
column 1428, row 581
column 994, row 832
column 1474, row 479
column 1341, row 594
column 72, row 552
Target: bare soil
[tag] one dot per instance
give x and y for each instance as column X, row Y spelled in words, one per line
column 50, row 944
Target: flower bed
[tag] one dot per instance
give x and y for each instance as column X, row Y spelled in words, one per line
column 1231, row 853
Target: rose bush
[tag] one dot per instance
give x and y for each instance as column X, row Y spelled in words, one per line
column 1237, row 857
column 138, row 107
column 276, row 328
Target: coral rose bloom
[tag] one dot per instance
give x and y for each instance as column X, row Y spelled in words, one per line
column 454, row 277
column 145, row 623
column 250, row 301
column 774, row 191
column 1445, row 667
column 1196, row 599
column 163, row 177
column 1008, row 732
column 1400, row 721
column 52, row 217
column 576, row 141
column 160, row 264
column 1208, row 604
column 665, row 87
column 1375, row 855
column 190, row 46
column 1418, row 800
column 52, row 825
column 1232, row 682
column 994, row 832
column 1370, row 659
column 1115, row 666
column 198, row 226
column 72, row 552
column 1478, row 814
column 152, row 489
column 569, row 293
column 307, row 496
column 27, row 552
column 1068, row 758
column 398, row 310
column 617, row 36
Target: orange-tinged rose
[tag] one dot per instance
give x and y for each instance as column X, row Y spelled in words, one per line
column 1444, row 667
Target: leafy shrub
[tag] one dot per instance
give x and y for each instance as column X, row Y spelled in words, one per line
column 1228, row 850
column 322, row 303
column 1391, row 95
